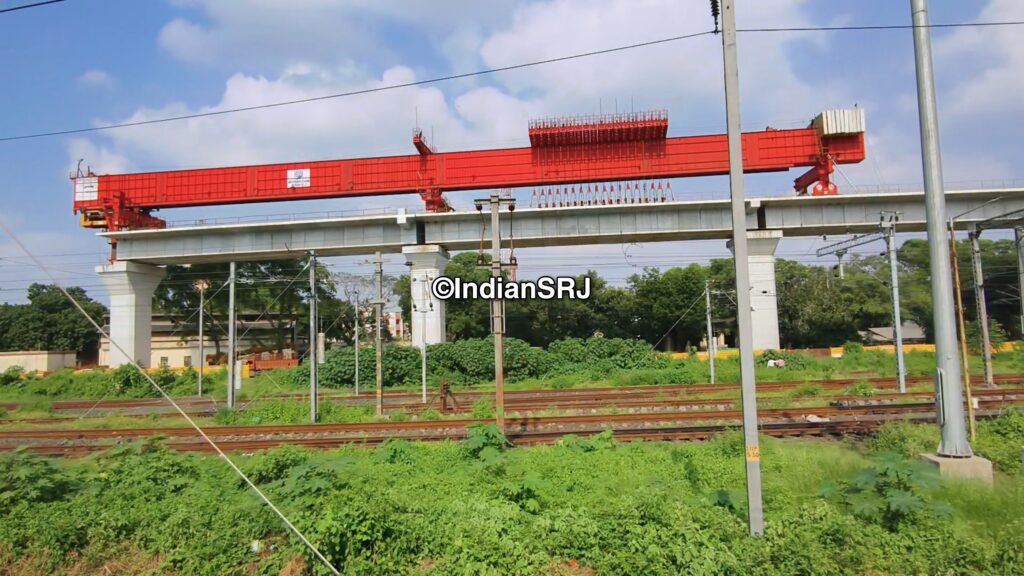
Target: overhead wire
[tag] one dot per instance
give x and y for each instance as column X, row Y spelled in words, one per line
column 33, row 5
column 488, row 71
column 202, row 433
column 359, row 92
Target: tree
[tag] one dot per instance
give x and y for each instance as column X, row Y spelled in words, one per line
column 669, row 306
column 50, row 321
column 276, row 292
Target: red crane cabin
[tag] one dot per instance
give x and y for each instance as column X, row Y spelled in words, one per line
column 589, row 149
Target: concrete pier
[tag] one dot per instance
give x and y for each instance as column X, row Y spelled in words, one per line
column 131, row 286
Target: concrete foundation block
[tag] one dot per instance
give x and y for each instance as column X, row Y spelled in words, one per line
column 973, row 468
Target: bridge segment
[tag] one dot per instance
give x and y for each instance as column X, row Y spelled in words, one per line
column 768, row 220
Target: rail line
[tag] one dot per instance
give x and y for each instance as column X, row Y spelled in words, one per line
column 641, row 398
column 786, row 421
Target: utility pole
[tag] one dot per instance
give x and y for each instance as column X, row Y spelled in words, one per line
column 755, row 505
column 495, row 201
column 231, row 335
column 379, row 304
column 711, row 330
column 839, row 256
column 894, row 287
column 201, row 286
column 886, row 232
column 1018, row 237
column 979, row 298
column 963, row 329
column 947, row 375
column 314, row 368
column 358, row 328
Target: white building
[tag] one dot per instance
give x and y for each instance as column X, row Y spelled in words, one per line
column 172, row 349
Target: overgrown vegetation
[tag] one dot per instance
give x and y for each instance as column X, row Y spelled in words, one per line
column 471, row 362
column 584, row 506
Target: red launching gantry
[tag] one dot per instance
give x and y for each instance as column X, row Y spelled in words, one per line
column 563, row 151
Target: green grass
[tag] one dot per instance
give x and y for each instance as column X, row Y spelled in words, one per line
column 481, row 508
column 96, row 384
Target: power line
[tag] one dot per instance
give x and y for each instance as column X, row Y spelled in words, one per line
column 24, row 6
column 483, row 72
column 881, row 27
column 359, row 92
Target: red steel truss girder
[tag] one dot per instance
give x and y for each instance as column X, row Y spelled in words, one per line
column 767, row 151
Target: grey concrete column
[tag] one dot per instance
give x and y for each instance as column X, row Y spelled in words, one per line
column 131, row 286
column 428, row 315
column 765, row 309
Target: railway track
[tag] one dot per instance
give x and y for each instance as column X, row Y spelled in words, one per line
column 525, row 430
column 641, row 399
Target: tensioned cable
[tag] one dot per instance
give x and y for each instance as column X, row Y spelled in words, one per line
column 24, row 6
column 881, row 27
column 388, row 87
column 488, row 71
column 184, row 414
column 266, row 310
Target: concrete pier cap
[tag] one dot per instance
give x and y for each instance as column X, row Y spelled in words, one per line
column 761, row 245
column 426, row 262
column 131, row 286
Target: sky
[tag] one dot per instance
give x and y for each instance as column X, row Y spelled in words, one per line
column 85, row 63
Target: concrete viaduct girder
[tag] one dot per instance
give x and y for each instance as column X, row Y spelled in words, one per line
column 572, row 226
column 568, row 226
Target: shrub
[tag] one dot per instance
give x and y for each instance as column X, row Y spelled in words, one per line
column 11, row 375
column 483, row 438
column 1001, row 441
column 482, row 409
column 862, row 388
column 852, row 348
column 903, row 438
column 27, row 478
column 890, row 492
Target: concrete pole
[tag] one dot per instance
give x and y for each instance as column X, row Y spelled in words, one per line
column 423, row 349
column 979, row 300
column 947, row 375
column 497, row 315
column 231, row 335
column 1018, row 237
column 379, row 279
column 358, row 328
column 201, row 285
column 897, row 322
column 755, row 505
column 711, row 330
column 314, row 368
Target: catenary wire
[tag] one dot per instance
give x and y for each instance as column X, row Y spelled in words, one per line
column 33, row 5
column 184, row 414
column 485, row 72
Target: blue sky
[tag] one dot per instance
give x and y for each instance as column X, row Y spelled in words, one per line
column 88, row 62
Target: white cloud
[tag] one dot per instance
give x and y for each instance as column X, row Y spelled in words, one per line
column 95, row 79
column 268, row 34
column 684, row 77
column 988, row 64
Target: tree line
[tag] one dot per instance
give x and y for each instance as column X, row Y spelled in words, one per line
column 662, row 307
column 816, row 308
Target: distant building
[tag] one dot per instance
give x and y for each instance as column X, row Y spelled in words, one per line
column 912, row 334
column 395, row 325
column 37, row 360
column 172, row 349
